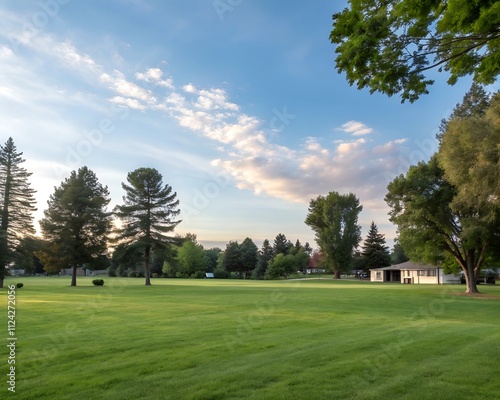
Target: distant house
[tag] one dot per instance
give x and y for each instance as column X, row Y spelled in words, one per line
column 409, row 272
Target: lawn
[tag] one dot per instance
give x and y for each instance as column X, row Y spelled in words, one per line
column 230, row 339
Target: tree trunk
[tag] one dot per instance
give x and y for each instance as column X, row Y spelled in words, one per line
column 1, row 282
column 146, row 265
column 337, row 274
column 470, row 280
column 73, row 275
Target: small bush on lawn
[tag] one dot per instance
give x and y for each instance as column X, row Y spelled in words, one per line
column 98, row 282
column 19, row 285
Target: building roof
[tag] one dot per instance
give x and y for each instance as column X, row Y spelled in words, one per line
column 407, row 265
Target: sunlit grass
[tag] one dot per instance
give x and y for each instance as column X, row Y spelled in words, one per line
column 232, row 339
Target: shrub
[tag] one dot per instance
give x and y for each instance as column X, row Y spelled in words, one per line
column 19, row 285
column 98, row 282
column 221, row 274
column 111, row 272
column 199, row 275
column 132, row 274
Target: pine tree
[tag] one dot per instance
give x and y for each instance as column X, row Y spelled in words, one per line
column 17, row 204
column 281, row 244
column 375, row 254
column 76, row 223
column 265, row 255
column 148, row 213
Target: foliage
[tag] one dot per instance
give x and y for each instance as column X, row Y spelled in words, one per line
column 389, row 45
column 191, row 258
column 375, row 254
column 24, row 256
column 98, row 282
column 334, row 219
column 431, row 229
column 240, row 258
column 281, row 244
column 398, row 255
column 249, row 256
column 474, row 104
column 264, row 256
column 148, row 213
column 76, row 223
column 470, row 156
column 281, row 266
column 17, row 203
column 19, row 285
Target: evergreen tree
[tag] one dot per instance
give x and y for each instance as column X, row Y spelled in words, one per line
column 475, row 103
column 76, row 223
column 148, row 213
column 281, row 244
column 398, row 255
column 17, row 203
column 374, row 252
column 265, row 255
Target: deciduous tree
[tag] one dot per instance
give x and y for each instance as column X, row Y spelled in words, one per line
column 334, row 219
column 390, row 45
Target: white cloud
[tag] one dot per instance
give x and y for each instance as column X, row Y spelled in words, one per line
column 189, row 88
column 154, row 75
column 128, row 102
column 6, row 52
column 356, row 128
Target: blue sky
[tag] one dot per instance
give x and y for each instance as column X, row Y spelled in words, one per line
column 236, row 102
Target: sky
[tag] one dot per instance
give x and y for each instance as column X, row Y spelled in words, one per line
column 236, row 103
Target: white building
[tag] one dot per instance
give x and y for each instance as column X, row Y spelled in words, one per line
column 409, row 272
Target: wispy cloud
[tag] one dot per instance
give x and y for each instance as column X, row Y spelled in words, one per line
column 356, row 128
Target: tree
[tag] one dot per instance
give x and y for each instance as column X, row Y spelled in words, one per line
column 148, row 213
column 231, row 257
column 281, row 266
column 24, row 256
column 475, row 103
column 398, row 255
column 249, row 256
column 191, row 257
column 76, row 223
column 389, row 45
column 17, row 203
column 281, row 244
column 265, row 255
column 375, row 254
column 334, row 219
column 432, row 229
column 470, row 157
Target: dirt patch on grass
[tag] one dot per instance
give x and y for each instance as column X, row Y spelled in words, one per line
column 478, row 295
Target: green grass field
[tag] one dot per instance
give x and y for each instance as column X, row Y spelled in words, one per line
column 230, row 339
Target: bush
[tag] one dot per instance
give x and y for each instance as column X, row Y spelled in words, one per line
column 132, row 274
column 98, row 282
column 111, row 272
column 19, row 285
column 220, row 274
column 199, row 275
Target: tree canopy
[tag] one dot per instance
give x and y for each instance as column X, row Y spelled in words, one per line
column 390, row 45
column 334, row 219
